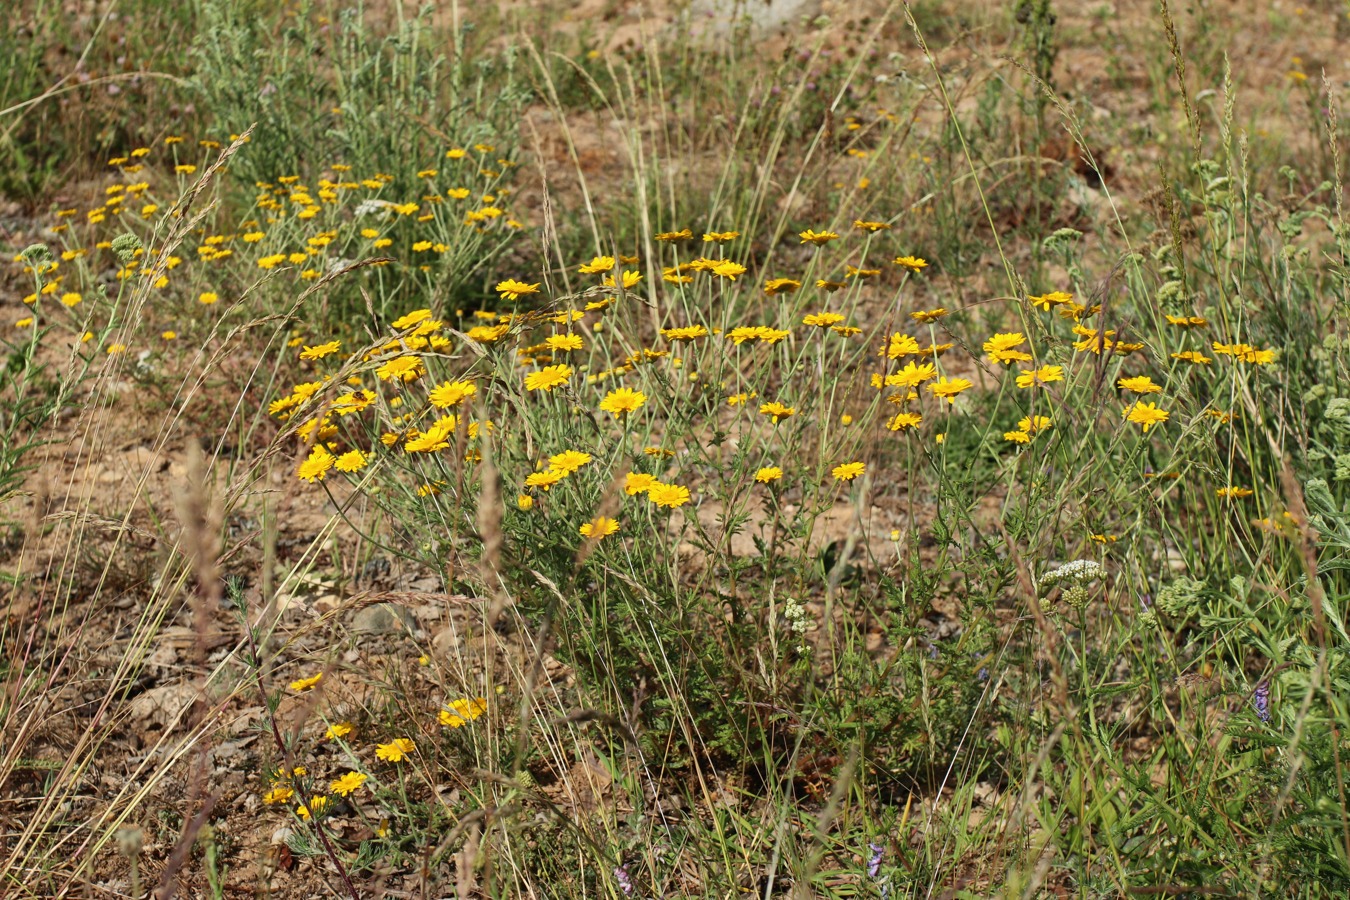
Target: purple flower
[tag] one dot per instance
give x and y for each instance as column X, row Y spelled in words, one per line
column 1261, row 700
column 874, row 869
column 625, row 883
column 874, row 861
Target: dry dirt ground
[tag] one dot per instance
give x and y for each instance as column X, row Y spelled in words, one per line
column 102, row 509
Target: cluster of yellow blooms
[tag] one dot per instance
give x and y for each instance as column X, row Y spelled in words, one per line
column 314, row 227
column 909, row 368
column 400, row 362
column 310, row 229
column 285, row 785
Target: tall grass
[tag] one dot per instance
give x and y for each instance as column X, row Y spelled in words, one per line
column 1013, row 656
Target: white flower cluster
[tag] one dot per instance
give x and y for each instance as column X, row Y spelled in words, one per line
column 1080, row 571
column 371, row 205
column 798, row 619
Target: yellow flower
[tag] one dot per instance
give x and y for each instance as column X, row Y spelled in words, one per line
column 304, row 684
column 873, row 227
column 1193, row 357
column 169, row 335
column 70, row 299
column 600, row 526
column 395, row 750
column 719, row 237
column 1092, row 340
column 728, row 270
column 1040, row 377
column 1019, row 437
column 563, row 342
column 622, row 400
column 597, row 265
column 279, row 794
column 627, row 279
column 827, row 285
column 1033, row 424
column 510, row 289
column 568, row 461
column 947, row 388
column 901, row 421
column 822, row 320
column 818, row 238
column 348, row 783
column 768, row 474
column 668, row 495
column 1187, row 321
column 928, row 315
column 1234, row 492
column 351, row 461
column 901, row 345
column 316, row 466
column 781, row 286
column 1000, row 348
column 416, row 317
column 544, row 480
column 777, row 411
column 337, row 730
column 847, row 471
column 458, row 713
column 770, row 335
column 687, row 333
column 487, row 334
column 437, row 437
column 321, row 350
column 402, row 368
column 207, row 297
column 912, row 375
column 672, row 236
column 1140, row 384
column 637, row 483
column 524, row 501
column 1146, row 415
column 1045, row 301
column 317, row 804
column 913, row 263
column 451, row 393
column 547, row 378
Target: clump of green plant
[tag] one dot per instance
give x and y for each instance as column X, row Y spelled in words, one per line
column 33, row 389
column 326, row 87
